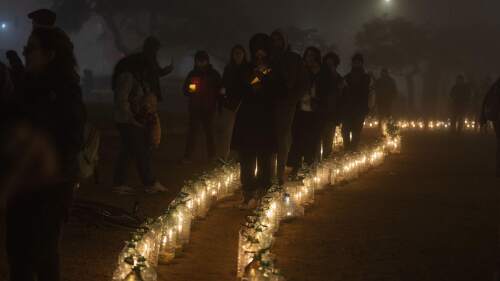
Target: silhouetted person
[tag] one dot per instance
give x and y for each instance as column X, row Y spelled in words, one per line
column 6, row 86
column 234, row 87
column 131, row 87
column 288, row 66
column 491, row 112
column 148, row 56
column 254, row 134
column 306, row 130
column 150, row 52
column 460, row 95
column 42, row 18
column 87, row 82
column 53, row 109
column 355, row 103
column 330, row 87
column 386, row 93
column 202, row 86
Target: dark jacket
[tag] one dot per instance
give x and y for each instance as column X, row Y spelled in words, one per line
column 254, row 126
column 235, row 81
column 138, row 63
column 56, row 108
column 330, row 88
column 207, row 94
column 291, row 68
column 356, row 94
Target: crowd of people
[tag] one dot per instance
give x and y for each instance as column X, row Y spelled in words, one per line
column 286, row 108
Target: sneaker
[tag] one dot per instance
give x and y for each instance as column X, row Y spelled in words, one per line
column 123, row 189
column 156, row 188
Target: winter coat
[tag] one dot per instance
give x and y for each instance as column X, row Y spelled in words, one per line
column 203, row 87
column 55, row 108
column 254, row 127
column 355, row 97
column 330, row 88
column 139, row 63
column 128, row 95
column 290, row 67
column 310, row 100
column 235, row 81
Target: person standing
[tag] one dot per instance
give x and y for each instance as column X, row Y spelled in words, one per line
column 53, row 114
column 306, row 128
column 234, row 86
column 386, row 93
column 355, row 100
column 203, row 87
column 148, row 57
column 330, row 87
column 130, row 87
column 290, row 66
column 460, row 95
column 254, row 135
column 491, row 112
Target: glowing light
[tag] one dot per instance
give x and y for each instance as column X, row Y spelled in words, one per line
column 3, row 26
column 192, row 88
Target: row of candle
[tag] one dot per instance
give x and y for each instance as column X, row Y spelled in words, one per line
column 255, row 261
column 432, row 125
column 161, row 239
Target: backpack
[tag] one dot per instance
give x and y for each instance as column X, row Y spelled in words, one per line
column 89, row 154
column 491, row 104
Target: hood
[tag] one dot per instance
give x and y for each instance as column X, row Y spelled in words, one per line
column 259, row 41
column 283, row 35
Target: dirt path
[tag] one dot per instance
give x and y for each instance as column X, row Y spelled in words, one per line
column 212, row 252
column 431, row 213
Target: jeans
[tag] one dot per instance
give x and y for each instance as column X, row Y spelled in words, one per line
column 285, row 114
column 352, row 126
column 34, row 223
column 201, row 120
column 134, row 145
column 251, row 183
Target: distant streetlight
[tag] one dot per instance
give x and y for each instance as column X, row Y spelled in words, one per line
column 3, row 26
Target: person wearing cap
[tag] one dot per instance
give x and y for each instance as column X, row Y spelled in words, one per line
column 203, row 89
column 44, row 18
column 355, row 103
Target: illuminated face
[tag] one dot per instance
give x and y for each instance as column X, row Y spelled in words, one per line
column 260, row 57
column 278, row 42
column 238, row 56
